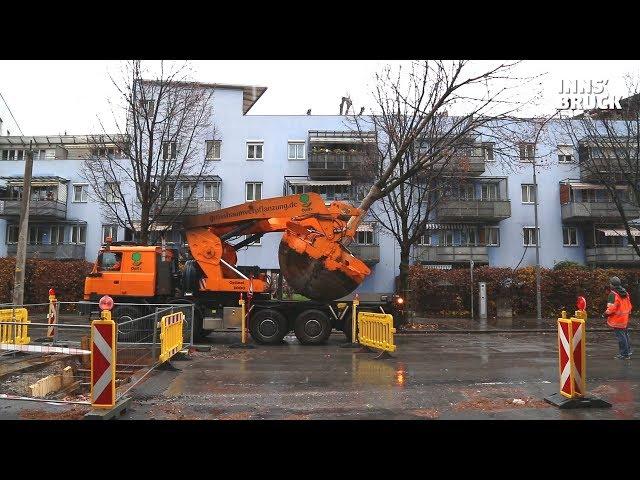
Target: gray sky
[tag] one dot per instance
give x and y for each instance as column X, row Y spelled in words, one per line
column 51, row 97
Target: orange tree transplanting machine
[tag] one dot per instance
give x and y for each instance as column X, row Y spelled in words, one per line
column 312, row 259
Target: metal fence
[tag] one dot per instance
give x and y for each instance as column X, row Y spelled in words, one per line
column 54, row 367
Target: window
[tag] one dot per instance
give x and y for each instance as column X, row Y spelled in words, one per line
column 487, row 152
column 39, row 154
column 425, row 238
column 589, row 195
column 446, row 237
column 469, row 237
column 213, row 149
column 110, row 231
column 492, row 235
column 168, row 192
column 254, row 191
column 112, row 195
column 529, row 236
column 528, row 193
column 188, row 191
column 296, row 151
column 169, row 150
column 466, row 192
column 80, row 192
column 78, row 234
column 490, row 191
column 526, row 152
column 212, row 191
column 57, row 234
column 257, row 242
column 12, row 234
column 106, row 152
column 13, row 154
column 364, row 238
column 254, row 150
column 39, row 235
column 148, row 105
column 565, row 153
column 569, row 236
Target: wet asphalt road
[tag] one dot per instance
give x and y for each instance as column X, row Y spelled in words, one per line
column 433, row 376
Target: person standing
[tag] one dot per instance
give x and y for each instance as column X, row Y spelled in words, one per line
column 618, row 310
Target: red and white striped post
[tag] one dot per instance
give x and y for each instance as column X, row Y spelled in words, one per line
column 103, row 357
column 52, row 316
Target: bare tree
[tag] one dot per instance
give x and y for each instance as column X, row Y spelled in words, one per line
column 423, row 148
column 133, row 174
column 608, row 145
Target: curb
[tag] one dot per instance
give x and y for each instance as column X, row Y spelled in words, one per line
column 519, row 330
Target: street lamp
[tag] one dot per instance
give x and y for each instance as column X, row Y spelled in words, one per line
column 535, row 213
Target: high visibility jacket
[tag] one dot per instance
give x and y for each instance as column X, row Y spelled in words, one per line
column 618, row 311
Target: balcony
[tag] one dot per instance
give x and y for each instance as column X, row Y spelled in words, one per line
column 335, row 165
column 473, row 210
column 65, row 251
column 451, row 254
column 369, row 254
column 472, row 165
column 38, row 209
column 179, row 208
column 596, row 211
column 613, row 160
column 608, row 255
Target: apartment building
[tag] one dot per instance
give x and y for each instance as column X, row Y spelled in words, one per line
column 489, row 218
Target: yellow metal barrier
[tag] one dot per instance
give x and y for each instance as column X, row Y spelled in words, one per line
column 170, row 335
column 376, row 330
column 14, row 326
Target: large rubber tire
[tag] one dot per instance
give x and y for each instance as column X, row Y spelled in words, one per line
column 129, row 332
column 312, row 327
column 268, row 326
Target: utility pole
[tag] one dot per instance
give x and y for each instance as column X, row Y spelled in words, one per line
column 471, row 263
column 23, row 235
column 535, row 213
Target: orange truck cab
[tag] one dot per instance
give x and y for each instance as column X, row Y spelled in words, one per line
column 134, row 271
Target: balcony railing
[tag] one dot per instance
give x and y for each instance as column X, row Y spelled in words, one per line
column 42, row 209
column 612, row 255
column 594, row 211
column 179, row 208
column 339, row 165
column 369, row 254
column 470, row 210
column 451, row 254
column 473, row 165
column 63, row 251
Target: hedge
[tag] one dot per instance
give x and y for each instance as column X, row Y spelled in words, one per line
column 447, row 292
column 65, row 276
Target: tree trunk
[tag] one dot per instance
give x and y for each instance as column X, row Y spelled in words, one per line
column 144, row 224
column 404, row 272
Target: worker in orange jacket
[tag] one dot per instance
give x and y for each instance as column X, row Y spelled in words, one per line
column 618, row 310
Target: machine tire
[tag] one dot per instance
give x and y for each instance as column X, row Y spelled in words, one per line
column 268, row 326
column 123, row 313
column 312, row 327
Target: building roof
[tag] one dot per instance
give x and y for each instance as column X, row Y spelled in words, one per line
column 250, row 93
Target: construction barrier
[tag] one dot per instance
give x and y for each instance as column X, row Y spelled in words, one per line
column 103, row 362
column 170, row 335
column 14, row 326
column 572, row 354
column 375, row 330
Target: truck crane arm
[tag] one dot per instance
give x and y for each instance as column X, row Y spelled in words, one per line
column 311, row 256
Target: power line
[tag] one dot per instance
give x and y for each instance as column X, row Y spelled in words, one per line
column 11, row 113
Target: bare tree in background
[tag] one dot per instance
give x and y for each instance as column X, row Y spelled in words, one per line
column 608, row 145
column 421, row 149
column 133, row 174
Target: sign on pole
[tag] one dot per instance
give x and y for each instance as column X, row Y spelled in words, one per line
column 103, row 363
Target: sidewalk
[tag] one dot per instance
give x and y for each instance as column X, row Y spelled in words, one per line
column 494, row 325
